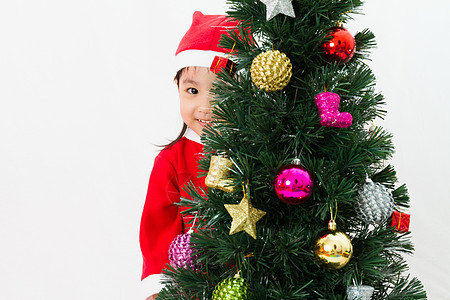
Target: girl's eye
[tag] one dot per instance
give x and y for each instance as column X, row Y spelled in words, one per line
column 192, row 91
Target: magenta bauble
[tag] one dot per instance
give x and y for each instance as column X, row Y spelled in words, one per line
column 181, row 253
column 293, row 183
column 339, row 46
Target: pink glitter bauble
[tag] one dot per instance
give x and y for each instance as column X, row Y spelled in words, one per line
column 328, row 106
column 181, row 253
column 293, row 184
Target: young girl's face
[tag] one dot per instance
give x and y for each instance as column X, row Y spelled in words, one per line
column 194, row 90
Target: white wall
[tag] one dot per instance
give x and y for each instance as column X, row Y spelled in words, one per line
column 412, row 66
column 86, row 91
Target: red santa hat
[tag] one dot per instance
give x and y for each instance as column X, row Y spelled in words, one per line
column 200, row 45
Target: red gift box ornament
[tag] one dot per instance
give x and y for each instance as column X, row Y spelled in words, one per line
column 400, row 221
column 223, row 64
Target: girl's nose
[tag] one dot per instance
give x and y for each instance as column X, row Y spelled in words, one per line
column 204, row 109
column 206, row 112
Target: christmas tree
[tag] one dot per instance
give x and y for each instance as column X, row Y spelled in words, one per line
column 301, row 203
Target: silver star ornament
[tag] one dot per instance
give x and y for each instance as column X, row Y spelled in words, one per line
column 275, row 7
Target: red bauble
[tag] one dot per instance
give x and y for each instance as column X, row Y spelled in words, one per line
column 293, row 183
column 340, row 48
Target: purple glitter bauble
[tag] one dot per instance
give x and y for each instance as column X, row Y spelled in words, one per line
column 181, row 254
column 293, row 184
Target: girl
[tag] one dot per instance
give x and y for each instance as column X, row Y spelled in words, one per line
column 199, row 58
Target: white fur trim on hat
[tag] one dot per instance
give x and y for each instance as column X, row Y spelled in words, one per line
column 196, row 58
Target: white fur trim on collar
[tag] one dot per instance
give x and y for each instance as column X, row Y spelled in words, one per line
column 192, row 135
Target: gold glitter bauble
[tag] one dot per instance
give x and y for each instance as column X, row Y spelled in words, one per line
column 333, row 249
column 219, row 170
column 271, row 70
column 244, row 217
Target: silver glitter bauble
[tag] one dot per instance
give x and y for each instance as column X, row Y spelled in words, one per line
column 359, row 292
column 375, row 203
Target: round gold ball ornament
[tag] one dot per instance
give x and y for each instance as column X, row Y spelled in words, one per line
column 333, row 249
column 271, row 70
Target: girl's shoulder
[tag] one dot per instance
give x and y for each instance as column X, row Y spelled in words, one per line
column 183, row 146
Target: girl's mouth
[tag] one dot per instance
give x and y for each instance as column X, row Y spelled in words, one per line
column 203, row 122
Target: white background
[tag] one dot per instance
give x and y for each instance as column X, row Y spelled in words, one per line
column 86, row 92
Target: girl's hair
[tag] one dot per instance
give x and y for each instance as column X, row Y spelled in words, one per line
column 183, row 131
column 185, row 127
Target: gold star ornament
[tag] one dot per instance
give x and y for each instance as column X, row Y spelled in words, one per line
column 244, row 217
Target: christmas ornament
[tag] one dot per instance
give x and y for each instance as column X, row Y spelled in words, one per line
column 400, row 221
column 271, row 70
column 222, row 64
column 219, row 170
column 181, row 254
column 293, row 183
column 375, row 203
column 373, row 129
column 244, row 217
column 235, row 288
column 275, row 7
column 328, row 106
column 333, row 249
column 339, row 46
column 359, row 292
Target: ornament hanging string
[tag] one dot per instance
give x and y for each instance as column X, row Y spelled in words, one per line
column 340, row 23
column 355, row 281
column 332, row 223
column 238, row 269
column 333, row 218
column 297, row 142
column 232, row 49
column 191, row 230
column 396, row 206
column 245, row 189
column 238, row 263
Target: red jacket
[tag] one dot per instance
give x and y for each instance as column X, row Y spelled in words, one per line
column 161, row 219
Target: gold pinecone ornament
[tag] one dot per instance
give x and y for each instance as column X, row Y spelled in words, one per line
column 271, row 70
column 219, row 170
